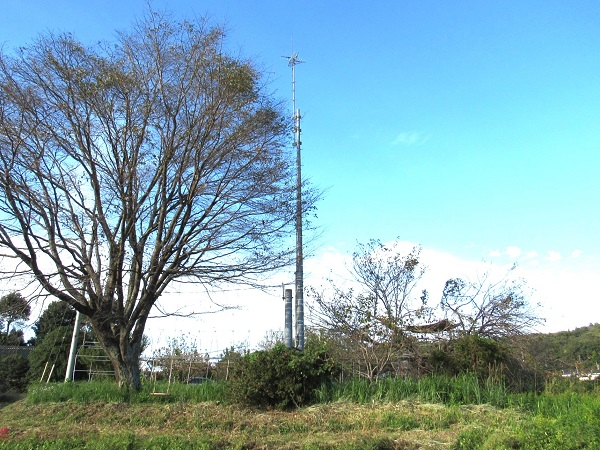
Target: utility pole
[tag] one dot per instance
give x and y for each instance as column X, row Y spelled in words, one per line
column 299, row 279
column 69, row 376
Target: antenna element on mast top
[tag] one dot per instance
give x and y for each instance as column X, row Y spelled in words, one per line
column 292, row 61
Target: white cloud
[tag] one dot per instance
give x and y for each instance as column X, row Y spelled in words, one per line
column 510, row 251
column 552, row 256
column 576, row 253
column 513, row 252
column 530, row 257
column 568, row 295
column 410, row 138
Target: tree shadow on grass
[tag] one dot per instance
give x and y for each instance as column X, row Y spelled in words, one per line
column 10, row 397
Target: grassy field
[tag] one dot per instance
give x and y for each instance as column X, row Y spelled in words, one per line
column 395, row 414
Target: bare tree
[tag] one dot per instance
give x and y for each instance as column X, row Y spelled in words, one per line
column 488, row 308
column 126, row 167
column 373, row 317
column 181, row 359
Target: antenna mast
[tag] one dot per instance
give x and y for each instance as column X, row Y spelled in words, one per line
column 292, row 61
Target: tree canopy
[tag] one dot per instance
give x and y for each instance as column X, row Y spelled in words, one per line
column 489, row 308
column 128, row 166
column 14, row 309
column 370, row 319
column 57, row 314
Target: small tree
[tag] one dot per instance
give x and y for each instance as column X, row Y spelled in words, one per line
column 489, row 309
column 14, row 309
column 182, row 359
column 13, row 338
column 470, row 354
column 371, row 320
column 226, row 364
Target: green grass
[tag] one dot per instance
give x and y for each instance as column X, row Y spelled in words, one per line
column 458, row 413
column 564, row 421
column 460, row 390
column 109, row 392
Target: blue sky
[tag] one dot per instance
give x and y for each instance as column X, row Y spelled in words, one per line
column 471, row 128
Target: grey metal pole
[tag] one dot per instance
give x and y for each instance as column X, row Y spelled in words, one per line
column 299, row 281
column 71, row 363
column 288, row 319
column 299, row 252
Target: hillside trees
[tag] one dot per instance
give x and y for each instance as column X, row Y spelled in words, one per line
column 127, row 167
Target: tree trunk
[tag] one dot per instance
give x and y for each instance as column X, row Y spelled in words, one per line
column 125, row 359
column 126, row 367
column 128, row 375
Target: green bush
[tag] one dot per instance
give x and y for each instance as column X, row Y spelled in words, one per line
column 473, row 354
column 486, row 359
column 13, row 372
column 281, row 377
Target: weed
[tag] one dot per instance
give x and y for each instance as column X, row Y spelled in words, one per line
column 471, row 439
column 399, row 422
column 459, row 390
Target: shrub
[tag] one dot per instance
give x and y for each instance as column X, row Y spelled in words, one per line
column 470, row 353
column 486, row 359
column 281, row 377
column 13, row 371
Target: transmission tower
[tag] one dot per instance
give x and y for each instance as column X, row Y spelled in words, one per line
column 299, row 279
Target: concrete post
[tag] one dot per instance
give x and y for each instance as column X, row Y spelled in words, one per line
column 287, row 333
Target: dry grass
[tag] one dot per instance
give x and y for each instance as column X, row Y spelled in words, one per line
column 403, row 425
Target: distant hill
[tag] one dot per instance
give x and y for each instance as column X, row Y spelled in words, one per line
column 569, row 351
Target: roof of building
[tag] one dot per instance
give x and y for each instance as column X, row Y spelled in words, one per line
column 7, row 350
